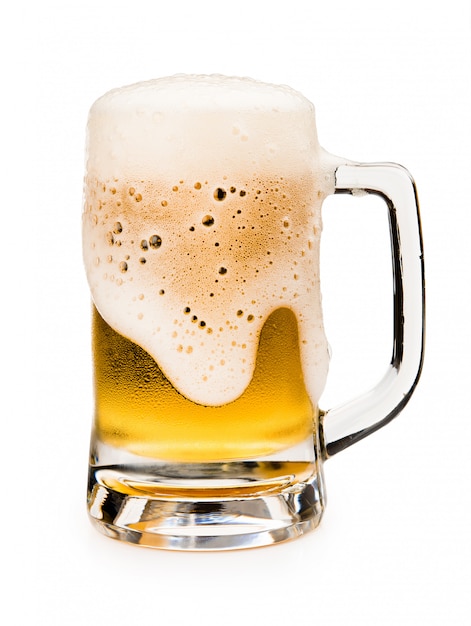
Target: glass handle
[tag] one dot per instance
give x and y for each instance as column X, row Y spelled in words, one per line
column 344, row 425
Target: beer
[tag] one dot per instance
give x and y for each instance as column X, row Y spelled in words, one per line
column 194, row 281
column 139, row 410
column 201, row 229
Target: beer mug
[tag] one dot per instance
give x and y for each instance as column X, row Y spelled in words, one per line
column 201, row 231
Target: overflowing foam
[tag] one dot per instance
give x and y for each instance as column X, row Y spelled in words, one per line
column 202, row 216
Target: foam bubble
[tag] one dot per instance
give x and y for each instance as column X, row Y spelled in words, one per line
column 208, row 232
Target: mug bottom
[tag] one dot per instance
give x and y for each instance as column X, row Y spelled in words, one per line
column 261, row 504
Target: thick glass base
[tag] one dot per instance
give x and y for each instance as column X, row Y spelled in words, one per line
column 255, row 504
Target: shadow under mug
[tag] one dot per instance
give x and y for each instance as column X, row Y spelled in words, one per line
column 201, row 230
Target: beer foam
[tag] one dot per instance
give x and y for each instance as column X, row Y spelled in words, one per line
column 173, row 124
column 202, row 216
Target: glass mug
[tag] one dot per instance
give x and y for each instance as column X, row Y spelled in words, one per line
column 201, row 228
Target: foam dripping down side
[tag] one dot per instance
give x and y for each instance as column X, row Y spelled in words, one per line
column 202, row 217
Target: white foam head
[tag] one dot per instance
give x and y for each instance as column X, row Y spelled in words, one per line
column 176, row 122
column 203, row 201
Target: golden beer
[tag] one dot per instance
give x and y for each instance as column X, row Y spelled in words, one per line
column 201, row 230
column 215, row 233
column 138, row 409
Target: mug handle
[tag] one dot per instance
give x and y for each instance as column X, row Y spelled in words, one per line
column 344, row 425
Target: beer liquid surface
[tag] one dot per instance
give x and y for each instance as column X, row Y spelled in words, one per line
column 201, row 233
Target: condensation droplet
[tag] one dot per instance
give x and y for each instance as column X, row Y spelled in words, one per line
column 123, row 266
column 131, row 191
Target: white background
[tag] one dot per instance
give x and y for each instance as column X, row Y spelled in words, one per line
column 390, row 81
